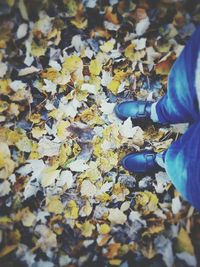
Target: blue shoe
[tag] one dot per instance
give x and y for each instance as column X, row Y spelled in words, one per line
column 141, row 162
column 134, row 109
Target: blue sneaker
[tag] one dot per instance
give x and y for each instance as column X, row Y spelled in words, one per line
column 135, row 109
column 141, row 162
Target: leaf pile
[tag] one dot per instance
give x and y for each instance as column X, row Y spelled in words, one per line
column 64, row 198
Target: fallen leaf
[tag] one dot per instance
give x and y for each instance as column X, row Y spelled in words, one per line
column 54, row 205
column 104, row 229
column 3, row 69
column 108, row 46
column 49, row 176
column 116, row 216
column 78, row 165
column 4, row 188
column 72, row 210
column 22, row 30
column 88, row 189
column 87, row 229
column 113, row 250
column 184, row 243
column 95, row 67
column 7, row 250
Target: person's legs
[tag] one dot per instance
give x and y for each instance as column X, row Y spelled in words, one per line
column 180, row 103
column 182, row 164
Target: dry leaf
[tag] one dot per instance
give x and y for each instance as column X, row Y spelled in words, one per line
column 116, row 216
column 184, row 243
column 54, row 205
column 88, row 189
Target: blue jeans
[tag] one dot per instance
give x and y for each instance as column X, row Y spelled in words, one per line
column 181, row 104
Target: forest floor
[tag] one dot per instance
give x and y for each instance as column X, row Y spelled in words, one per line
column 65, row 200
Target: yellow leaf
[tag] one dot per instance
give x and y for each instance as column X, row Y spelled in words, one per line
column 120, row 191
column 79, row 22
column 95, row 67
column 10, row 2
column 62, row 129
column 23, row 10
column 26, row 216
column 72, row 63
column 154, row 229
column 115, row 262
column 184, row 243
column 92, row 173
column 91, row 116
column 5, row 221
column 55, row 113
column 113, row 86
column 38, row 132
column 34, row 152
column 7, row 165
column 86, row 209
column 54, row 205
column 74, row 66
column 3, row 105
column 87, row 229
column 4, row 86
column 64, row 153
column 107, row 46
column 37, row 51
column 107, row 161
column 4, row 153
column 71, row 6
column 49, row 176
column 81, row 95
column 117, row 80
column 71, row 210
column 103, row 239
column 104, row 197
column 104, row 229
column 132, row 54
column 7, row 249
column 24, row 144
column 146, row 201
column 76, row 149
column 13, row 137
column 50, row 74
column 14, row 109
column 35, row 117
column 120, row 74
column 129, row 51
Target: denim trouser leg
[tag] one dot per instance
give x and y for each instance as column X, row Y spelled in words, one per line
column 182, row 164
column 180, row 103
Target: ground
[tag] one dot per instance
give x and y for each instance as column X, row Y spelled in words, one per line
column 65, row 200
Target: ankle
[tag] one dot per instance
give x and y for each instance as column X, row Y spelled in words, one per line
column 160, row 159
column 153, row 114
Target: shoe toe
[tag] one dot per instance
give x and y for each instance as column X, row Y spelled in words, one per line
column 137, row 110
column 134, row 163
column 119, row 111
column 125, row 109
column 139, row 162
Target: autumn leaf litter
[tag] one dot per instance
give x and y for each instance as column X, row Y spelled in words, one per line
column 65, row 199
